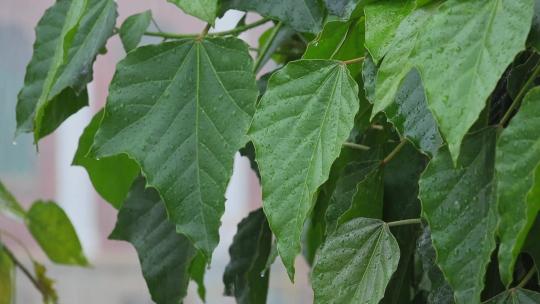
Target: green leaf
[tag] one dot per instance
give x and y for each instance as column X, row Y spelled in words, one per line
column 355, row 263
column 382, row 21
column 46, row 284
column 111, row 176
column 516, row 296
column 369, row 76
column 165, row 255
column 519, row 74
column 339, row 40
column 7, row 277
column 532, row 245
column 461, row 49
column 133, row 28
column 54, row 232
column 9, row 204
column 517, row 167
column 349, row 188
column 278, row 45
column 344, row 9
column 69, row 36
column 301, row 15
column 440, row 291
column 303, row 119
column 197, row 270
column 412, row 118
column 534, row 35
column 245, row 276
column 183, row 123
column 205, row 10
column 459, row 205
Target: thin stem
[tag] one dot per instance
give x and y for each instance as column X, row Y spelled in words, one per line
column 266, row 47
column 234, row 31
column 404, row 222
column 204, row 31
column 527, row 278
column 156, row 25
column 377, row 127
column 519, row 96
column 394, row 152
column 356, row 146
column 355, row 60
column 25, row 270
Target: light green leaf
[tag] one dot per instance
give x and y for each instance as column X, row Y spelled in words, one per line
column 7, row 277
column 133, row 28
column 412, row 118
column 344, row 9
column 183, row 123
column 459, row 205
column 197, row 270
column 48, row 291
column 54, row 232
column 301, row 15
column 339, row 40
column 165, row 255
column 69, row 36
column 205, row 10
column 245, row 276
column 382, row 21
column 303, row 119
column 517, row 168
column 111, row 176
column 516, row 296
column 461, row 49
column 9, row 204
column 355, row 263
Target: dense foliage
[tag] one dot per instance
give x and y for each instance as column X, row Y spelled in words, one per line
column 397, row 145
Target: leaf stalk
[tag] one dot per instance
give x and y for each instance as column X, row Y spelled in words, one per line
column 527, row 277
column 356, row 146
column 405, row 222
column 394, row 152
column 355, row 60
column 519, row 96
column 266, row 47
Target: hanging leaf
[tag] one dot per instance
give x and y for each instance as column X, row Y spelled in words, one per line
column 7, row 277
column 534, row 36
column 54, row 232
column 532, row 245
column 517, row 167
column 458, row 203
column 9, row 204
column 197, row 270
column 303, row 119
column 339, row 40
column 183, row 123
column 516, row 296
column 69, row 36
column 301, row 15
column 133, row 28
column 165, row 255
column 382, row 21
column 111, row 176
column 344, row 9
column 205, row 10
column 245, row 276
column 412, row 118
column 461, row 49
column 355, row 263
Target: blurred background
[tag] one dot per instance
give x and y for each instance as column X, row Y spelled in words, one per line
column 114, row 276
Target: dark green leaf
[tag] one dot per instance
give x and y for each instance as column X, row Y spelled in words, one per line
column 382, row 21
column 111, row 176
column 54, row 232
column 367, row 200
column 339, row 40
column 68, row 38
column 165, row 255
column 298, row 130
column 7, row 277
column 412, row 118
column 9, row 204
column 279, row 44
column 197, row 270
column 516, row 296
column 344, row 9
column 355, row 263
column 301, row 15
column 183, row 123
column 532, row 245
column 459, row 205
column 133, row 28
column 369, row 76
column 517, row 167
column 205, row 10
column 245, row 277
column 519, row 74
column 461, row 49
column 534, row 36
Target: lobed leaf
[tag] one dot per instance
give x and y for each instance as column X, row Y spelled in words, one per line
column 302, row 120
column 69, row 36
column 183, row 123
column 355, row 263
column 459, row 205
column 165, row 255
column 517, row 166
